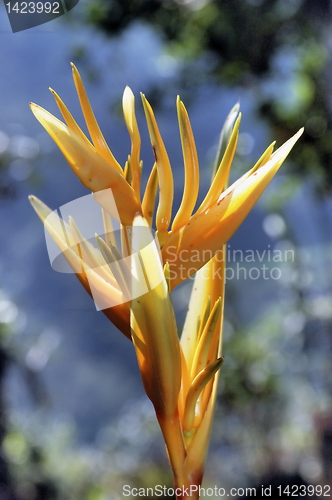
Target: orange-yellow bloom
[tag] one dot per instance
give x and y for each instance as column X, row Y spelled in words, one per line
column 214, row 221
column 133, row 285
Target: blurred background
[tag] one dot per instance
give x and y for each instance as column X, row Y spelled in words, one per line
column 75, row 423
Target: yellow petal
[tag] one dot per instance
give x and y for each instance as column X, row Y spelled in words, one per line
column 165, row 176
column 127, row 171
column 155, row 337
column 108, row 227
column 196, row 387
column 263, row 159
column 153, row 322
column 216, row 287
column 198, row 443
column 68, row 117
column 40, row 208
column 204, row 343
column 149, row 199
column 128, row 103
column 197, row 449
column 195, row 315
column 95, row 132
column 225, row 136
column 122, row 263
column 191, row 184
column 167, row 276
column 91, row 255
column 185, row 384
column 125, row 234
column 207, row 232
column 92, row 170
column 205, row 318
column 222, row 173
column 115, row 267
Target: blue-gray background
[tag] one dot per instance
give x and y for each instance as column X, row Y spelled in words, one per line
column 73, row 378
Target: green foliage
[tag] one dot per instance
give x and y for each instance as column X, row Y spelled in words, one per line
column 242, row 40
column 252, row 362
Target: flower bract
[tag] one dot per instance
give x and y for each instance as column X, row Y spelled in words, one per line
column 131, row 277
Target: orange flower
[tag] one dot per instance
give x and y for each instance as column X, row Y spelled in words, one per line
column 133, row 288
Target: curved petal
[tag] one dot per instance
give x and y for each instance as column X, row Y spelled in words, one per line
column 220, row 179
column 165, row 176
column 68, row 117
column 128, row 103
column 207, row 232
column 191, row 183
column 95, row 132
column 94, row 172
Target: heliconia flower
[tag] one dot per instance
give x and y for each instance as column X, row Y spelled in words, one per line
column 220, row 214
column 132, row 285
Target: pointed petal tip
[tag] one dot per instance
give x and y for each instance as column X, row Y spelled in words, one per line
column 35, row 108
column 128, row 91
column 128, row 98
column 143, row 99
column 32, row 199
column 235, row 109
column 296, row 136
column 39, row 207
column 100, row 242
column 75, row 70
column 139, row 220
